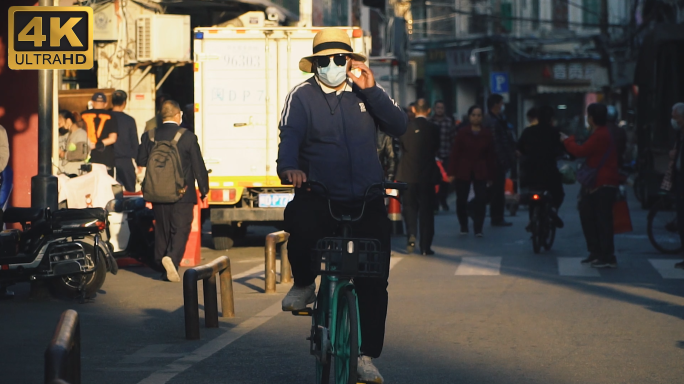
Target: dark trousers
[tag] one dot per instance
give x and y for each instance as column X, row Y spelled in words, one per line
column 596, row 216
column 477, row 208
column 677, row 185
column 307, row 219
column 125, row 173
column 418, row 201
column 497, row 197
column 171, row 230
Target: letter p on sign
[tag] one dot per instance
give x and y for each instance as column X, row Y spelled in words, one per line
column 50, row 38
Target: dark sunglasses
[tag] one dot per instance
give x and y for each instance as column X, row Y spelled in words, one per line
column 340, row 59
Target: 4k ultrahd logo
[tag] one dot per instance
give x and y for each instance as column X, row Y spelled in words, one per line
column 50, row 38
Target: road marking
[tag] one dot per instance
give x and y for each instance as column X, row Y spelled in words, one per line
column 666, row 268
column 167, row 373
column 572, row 266
column 180, row 365
column 479, row 266
column 151, row 351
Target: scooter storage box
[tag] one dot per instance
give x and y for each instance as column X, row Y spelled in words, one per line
column 9, row 243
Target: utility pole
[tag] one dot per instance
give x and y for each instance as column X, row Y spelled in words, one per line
column 604, row 18
column 44, row 184
column 400, row 46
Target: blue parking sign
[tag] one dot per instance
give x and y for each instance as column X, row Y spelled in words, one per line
column 498, row 82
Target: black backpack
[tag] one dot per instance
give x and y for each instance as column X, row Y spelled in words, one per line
column 164, row 181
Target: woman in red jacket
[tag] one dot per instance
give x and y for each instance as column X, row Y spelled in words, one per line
column 472, row 162
column 597, row 199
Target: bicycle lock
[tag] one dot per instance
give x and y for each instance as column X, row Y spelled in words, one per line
column 207, row 273
column 63, row 354
column 270, row 263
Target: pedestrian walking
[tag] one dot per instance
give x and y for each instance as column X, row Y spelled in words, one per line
column 126, row 146
column 676, row 169
column 600, row 179
column 472, row 162
column 447, row 133
column 504, row 142
column 172, row 190
column 327, row 134
column 102, row 132
column 418, row 169
column 74, row 150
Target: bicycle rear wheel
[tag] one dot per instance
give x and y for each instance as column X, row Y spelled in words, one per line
column 346, row 338
column 537, row 236
column 663, row 228
column 550, row 230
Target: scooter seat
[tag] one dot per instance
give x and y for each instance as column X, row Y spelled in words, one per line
column 79, row 214
column 23, row 215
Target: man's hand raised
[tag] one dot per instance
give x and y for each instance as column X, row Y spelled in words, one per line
column 295, row 176
column 366, row 79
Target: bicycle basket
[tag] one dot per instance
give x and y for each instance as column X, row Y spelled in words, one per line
column 351, row 257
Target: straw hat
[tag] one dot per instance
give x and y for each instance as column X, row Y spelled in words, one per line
column 330, row 41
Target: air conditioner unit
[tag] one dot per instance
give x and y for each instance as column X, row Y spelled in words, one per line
column 105, row 24
column 163, row 38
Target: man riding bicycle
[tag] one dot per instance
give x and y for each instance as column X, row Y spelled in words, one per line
column 328, row 134
column 540, row 148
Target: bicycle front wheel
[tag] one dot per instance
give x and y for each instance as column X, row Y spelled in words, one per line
column 663, row 228
column 346, row 339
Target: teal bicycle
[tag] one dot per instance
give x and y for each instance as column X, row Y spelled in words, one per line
column 335, row 330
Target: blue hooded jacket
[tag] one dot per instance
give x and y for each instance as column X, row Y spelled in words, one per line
column 339, row 148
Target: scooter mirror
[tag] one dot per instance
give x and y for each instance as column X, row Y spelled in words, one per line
column 114, row 206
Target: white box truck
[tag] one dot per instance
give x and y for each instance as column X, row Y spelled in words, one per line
column 242, row 76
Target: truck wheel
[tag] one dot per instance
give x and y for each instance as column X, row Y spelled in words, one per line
column 221, row 234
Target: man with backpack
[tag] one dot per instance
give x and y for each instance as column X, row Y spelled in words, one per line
column 174, row 161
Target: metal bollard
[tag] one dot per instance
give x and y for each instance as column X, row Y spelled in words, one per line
column 285, row 267
column 207, row 273
column 270, row 263
column 63, row 354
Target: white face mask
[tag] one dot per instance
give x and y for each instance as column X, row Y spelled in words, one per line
column 675, row 125
column 503, row 108
column 332, row 75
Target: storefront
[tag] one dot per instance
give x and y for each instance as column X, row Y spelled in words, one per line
column 567, row 85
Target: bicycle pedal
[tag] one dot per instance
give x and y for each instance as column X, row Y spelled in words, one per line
column 303, row 312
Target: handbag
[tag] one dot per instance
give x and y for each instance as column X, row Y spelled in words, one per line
column 587, row 175
column 622, row 222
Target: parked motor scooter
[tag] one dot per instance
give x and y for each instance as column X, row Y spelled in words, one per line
column 131, row 230
column 64, row 248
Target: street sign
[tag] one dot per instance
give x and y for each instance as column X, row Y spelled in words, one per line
column 50, row 38
column 498, row 82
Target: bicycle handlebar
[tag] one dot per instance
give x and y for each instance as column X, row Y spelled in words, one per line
column 383, row 186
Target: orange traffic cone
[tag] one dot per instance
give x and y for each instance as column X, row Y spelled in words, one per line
column 394, row 214
column 192, row 256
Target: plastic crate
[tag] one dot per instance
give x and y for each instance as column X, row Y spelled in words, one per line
column 351, row 257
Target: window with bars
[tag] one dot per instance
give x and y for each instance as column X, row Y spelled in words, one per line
column 535, row 14
column 506, row 17
column 591, row 9
column 559, row 16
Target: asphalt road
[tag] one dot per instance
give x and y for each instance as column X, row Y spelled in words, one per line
column 479, row 311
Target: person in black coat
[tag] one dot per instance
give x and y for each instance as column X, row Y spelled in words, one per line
column 173, row 221
column 418, row 168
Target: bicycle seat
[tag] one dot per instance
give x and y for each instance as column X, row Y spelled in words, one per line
column 23, row 215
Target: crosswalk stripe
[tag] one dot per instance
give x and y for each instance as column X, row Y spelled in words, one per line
column 572, row 266
column 479, row 266
column 666, row 268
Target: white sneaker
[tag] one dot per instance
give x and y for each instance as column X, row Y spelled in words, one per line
column 366, row 371
column 171, row 272
column 299, row 297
